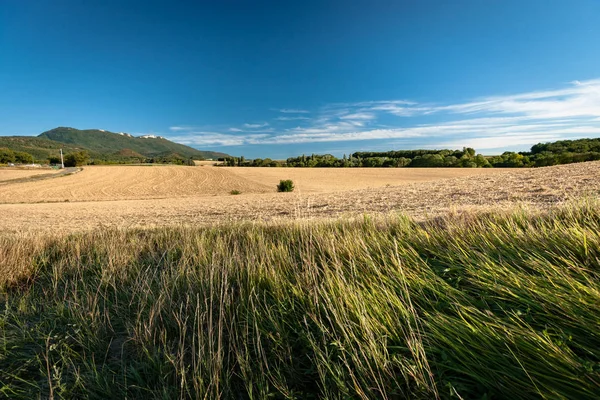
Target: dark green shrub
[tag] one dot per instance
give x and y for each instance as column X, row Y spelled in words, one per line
column 76, row 159
column 23, row 158
column 6, row 156
column 285, row 186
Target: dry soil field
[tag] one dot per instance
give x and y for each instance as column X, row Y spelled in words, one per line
column 101, row 183
column 8, row 174
column 147, row 196
column 326, row 180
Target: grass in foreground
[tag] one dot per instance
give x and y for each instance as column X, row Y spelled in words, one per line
column 496, row 306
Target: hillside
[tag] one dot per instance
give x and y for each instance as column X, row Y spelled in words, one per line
column 39, row 148
column 102, row 146
column 104, row 142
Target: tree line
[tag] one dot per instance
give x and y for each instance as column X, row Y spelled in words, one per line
column 19, row 157
column 540, row 155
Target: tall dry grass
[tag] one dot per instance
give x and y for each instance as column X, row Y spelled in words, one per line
column 492, row 306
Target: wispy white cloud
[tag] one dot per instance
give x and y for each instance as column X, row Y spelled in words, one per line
column 292, row 118
column 181, row 128
column 219, row 139
column 373, row 103
column 580, row 99
column 254, row 126
column 359, row 115
column 402, row 111
column 446, row 134
column 292, row 111
column 492, row 122
column 576, row 99
column 495, row 142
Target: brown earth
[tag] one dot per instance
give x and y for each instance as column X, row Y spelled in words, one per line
column 194, row 196
column 8, row 174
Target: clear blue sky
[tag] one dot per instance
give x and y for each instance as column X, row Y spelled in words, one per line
column 281, row 78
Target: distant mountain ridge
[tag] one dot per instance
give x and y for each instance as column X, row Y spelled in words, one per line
column 101, row 144
column 102, row 141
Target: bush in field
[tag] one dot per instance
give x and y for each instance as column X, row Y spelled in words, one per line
column 285, row 186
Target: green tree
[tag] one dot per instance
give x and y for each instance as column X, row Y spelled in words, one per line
column 481, row 161
column 6, row 156
column 23, row 158
column 77, row 159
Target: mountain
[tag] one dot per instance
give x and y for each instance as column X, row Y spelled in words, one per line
column 98, row 141
column 39, row 148
column 128, row 153
column 102, row 146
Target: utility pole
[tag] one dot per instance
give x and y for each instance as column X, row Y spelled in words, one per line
column 62, row 161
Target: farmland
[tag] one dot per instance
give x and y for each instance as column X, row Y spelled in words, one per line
column 284, row 200
column 157, row 282
column 103, row 183
column 9, row 174
column 136, row 196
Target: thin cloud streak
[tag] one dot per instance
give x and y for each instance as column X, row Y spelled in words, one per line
column 501, row 136
column 181, row 128
column 218, row 139
column 361, row 115
column 254, row 126
column 292, row 111
column 494, row 142
column 292, row 118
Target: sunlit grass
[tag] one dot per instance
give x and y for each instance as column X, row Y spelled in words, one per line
column 504, row 305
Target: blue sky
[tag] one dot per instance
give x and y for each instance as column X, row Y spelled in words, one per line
column 277, row 79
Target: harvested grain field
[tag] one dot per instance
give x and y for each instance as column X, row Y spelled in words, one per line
column 206, row 163
column 541, row 187
column 322, row 180
column 102, row 183
column 9, row 174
